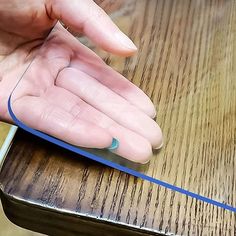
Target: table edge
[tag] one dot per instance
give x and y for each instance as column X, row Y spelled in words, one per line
column 13, row 209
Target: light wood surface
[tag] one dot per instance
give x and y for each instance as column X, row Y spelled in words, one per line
column 4, row 128
column 187, row 64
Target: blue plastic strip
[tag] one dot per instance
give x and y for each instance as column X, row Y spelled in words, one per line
column 115, row 165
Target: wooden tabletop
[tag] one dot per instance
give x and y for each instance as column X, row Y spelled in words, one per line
column 187, row 64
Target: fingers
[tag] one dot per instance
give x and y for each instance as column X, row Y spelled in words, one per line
column 87, row 61
column 116, row 82
column 86, row 17
column 55, row 121
column 131, row 145
column 108, row 102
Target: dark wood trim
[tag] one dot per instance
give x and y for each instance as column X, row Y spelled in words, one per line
column 22, row 213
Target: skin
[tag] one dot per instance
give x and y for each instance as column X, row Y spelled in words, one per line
column 68, row 91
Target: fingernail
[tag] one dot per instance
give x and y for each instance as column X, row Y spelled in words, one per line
column 114, row 144
column 154, row 115
column 145, row 162
column 125, row 41
column 159, row 147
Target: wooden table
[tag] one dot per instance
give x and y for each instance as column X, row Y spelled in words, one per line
column 187, row 64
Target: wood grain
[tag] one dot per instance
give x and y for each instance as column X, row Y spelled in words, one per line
column 187, row 64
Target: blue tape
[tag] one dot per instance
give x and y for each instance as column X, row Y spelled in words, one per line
column 115, row 165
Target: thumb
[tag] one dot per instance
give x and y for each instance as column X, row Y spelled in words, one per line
column 87, row 17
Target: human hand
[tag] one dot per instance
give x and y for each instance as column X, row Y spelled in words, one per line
column 69, row 92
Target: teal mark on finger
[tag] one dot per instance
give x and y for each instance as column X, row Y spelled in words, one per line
column 114, row 144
